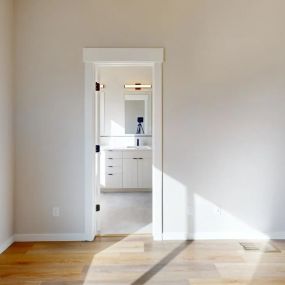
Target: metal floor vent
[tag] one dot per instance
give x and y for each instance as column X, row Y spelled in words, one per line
column 259, row 247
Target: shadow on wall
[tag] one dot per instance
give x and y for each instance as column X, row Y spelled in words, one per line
column 226, row 175
column 227, row 191
column 199, row 218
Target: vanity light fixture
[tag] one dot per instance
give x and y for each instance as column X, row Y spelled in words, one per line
column 137, row 86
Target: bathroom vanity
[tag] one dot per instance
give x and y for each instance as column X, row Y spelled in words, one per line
column 126, row 169
column 125, row 128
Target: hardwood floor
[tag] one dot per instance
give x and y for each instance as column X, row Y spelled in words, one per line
column 139, row 260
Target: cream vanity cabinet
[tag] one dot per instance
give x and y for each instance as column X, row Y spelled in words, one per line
column 137, row 166
column 126, row 169
column 111, row 169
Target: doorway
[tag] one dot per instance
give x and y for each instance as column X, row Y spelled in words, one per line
column 148, row 58
column 124, row 192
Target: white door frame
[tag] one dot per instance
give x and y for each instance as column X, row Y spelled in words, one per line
column 134, row 56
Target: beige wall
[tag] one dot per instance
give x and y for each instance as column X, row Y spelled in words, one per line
column 223, row 108
column 6, row 121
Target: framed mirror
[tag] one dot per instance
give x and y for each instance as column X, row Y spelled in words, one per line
column 137, row 114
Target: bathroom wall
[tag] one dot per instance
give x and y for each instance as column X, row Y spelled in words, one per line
column 114, row 79
column 6, row 124
column 223, row 110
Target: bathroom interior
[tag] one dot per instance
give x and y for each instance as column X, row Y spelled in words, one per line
column 125, row 137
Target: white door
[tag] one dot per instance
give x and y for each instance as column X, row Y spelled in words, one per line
column 145, row 173
column 130, row 173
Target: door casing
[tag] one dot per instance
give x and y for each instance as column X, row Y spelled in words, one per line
column 92, row 58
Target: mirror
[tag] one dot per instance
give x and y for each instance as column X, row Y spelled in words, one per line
column 137, row 115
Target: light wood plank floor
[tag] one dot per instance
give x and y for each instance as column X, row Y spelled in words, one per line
column 139, row 260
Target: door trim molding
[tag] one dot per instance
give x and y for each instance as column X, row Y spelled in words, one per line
column 93, row 57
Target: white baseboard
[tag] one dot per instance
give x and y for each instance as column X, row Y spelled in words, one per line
column 165, row 236
column 50, row 237
column 221, row 236
column 280, row 235
column 175, row 236
column 4, row 245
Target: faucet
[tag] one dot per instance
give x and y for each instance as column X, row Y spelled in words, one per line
column 138, row 142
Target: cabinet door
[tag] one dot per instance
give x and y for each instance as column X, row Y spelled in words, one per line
column 130, row 173
column 113, row 180
column 145, row 173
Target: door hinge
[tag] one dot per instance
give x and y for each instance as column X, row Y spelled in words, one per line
column 97, row 86
column 98, row 208
column 97, row 148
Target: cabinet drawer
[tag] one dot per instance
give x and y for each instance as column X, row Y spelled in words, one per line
column 111, row 154
column 137, row 154
column 113, row 169
column 113, row 180
column 113, row 162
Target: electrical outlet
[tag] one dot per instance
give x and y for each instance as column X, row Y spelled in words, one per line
column 219, row 211
column 55, row 212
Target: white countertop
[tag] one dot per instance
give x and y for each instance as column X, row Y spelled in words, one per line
column 123, row 148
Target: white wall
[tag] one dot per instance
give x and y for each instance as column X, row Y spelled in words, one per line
column 6, row 123
column 223, row 109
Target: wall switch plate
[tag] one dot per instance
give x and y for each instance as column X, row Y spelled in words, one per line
column 55, row 212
